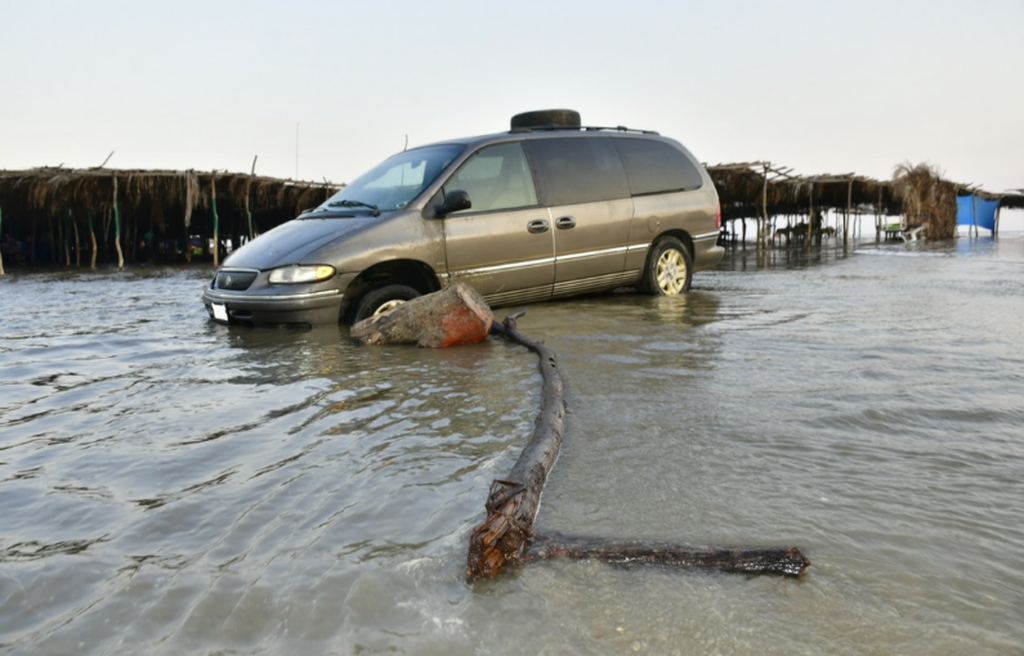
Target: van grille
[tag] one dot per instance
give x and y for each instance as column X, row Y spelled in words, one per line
column 234, row 280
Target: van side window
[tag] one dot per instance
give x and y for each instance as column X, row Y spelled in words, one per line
column 577, row 170
column 496, row 178
column 656, row 167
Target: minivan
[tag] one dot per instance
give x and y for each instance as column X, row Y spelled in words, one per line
column 548, row 209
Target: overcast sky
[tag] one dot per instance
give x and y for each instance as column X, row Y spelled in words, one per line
column 326, row 89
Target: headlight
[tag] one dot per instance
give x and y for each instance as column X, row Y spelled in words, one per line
column 300, row 273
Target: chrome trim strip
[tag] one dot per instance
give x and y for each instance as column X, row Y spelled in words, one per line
column 547, row 260
column 586, row 254
column 707, row 235
column 239, row 269
column 502, row 267
column 219, row 295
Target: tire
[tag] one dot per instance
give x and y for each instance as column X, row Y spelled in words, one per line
column 546, row 118
column 382, row 299
column 669, row 269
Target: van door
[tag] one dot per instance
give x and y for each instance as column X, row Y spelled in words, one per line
column 582, row 180
column 504, row 244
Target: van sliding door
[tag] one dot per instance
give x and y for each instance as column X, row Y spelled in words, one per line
column 582, row 181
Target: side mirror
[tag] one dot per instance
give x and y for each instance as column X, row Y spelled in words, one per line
column 454, row 201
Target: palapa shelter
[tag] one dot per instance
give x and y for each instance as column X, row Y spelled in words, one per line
column 64, row 216
column 59, row 216
column 766, row 192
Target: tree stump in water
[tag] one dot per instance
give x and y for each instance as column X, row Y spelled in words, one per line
column 452, row 316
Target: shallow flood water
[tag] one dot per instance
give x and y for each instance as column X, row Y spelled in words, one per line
column 172, row 486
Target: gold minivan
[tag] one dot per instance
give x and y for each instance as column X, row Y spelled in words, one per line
column 548, row 209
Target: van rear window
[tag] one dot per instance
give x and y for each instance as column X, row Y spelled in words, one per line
column 577, row 170
column 654, row 167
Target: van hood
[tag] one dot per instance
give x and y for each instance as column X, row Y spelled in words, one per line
column 296, row 242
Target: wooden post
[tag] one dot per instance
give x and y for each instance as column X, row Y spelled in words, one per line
column 810, row 218
column 190, row 182
column 248, row 186
column 117, row 230
column 1, row 237
column 78, row 244
column 762, row 235
column 92, row 239
column 216, row 220
column 846, row 217
column 974, row 213
column 66, row 234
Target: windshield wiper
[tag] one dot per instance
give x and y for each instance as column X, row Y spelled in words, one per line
column 374, row 210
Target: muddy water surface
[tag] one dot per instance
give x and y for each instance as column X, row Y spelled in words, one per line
column 172, row 486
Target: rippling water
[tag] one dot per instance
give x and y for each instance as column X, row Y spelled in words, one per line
column 172, row 486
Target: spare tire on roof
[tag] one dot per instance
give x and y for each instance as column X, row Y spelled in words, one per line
column 547, row 118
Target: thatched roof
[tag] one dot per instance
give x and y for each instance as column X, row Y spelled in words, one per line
column 56, row 190
column 47, row 212
column 747, row 189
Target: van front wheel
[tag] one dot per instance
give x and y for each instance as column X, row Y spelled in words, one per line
column 382, row 299
column 669, row 268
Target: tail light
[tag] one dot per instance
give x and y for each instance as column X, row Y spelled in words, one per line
column 718, row 217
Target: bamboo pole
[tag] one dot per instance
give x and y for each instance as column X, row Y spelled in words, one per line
column 974, row 214
column 248, row 186
column 92, row 239
column 117, row 230
column 66, row 234
column 762, row 235
column 216, row 220
column 849, row 207
column 78, row 244
column 810, row 218
column 189, row 183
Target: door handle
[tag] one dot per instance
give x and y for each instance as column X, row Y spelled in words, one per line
column 537, row 226
column 565, row 222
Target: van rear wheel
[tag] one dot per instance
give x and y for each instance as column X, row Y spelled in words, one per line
column 382, row 299
column 669, row 268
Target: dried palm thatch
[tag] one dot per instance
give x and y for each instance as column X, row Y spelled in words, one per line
column 927, row 198
column 44, row 207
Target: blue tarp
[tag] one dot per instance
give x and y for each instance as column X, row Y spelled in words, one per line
column 972, row 210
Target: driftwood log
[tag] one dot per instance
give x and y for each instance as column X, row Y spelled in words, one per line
column 780, row 561
column 506, row 538
column 512, row 504
column 452, row 316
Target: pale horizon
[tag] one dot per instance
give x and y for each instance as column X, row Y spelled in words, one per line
column 323, row 91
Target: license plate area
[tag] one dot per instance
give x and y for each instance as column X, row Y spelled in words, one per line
column 220, row 312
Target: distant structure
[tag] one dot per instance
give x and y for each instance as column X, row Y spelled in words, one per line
column 83, row 217
column 916, row 198
column 55, row 216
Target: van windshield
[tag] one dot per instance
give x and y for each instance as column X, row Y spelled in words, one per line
column 396, row 181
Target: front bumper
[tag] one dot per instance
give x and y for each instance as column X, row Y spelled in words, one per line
column 310, row 308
